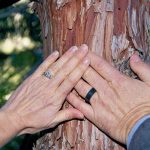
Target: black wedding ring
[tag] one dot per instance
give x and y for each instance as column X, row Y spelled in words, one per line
column 89, row 95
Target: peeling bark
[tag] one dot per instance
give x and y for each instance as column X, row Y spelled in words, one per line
column 114, row 29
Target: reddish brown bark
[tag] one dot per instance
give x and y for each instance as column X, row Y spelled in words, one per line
column 114, row 29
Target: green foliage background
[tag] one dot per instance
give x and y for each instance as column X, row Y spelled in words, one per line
column 20, row 52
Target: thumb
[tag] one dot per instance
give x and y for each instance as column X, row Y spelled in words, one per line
column 140, row 68
column 68, row 114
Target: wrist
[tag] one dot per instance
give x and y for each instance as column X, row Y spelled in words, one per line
column 9, row 126
column 7, row 129
column 13, row 121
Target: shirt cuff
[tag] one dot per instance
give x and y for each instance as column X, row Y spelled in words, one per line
column 135, row 127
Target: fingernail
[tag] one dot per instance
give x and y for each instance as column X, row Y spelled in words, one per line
column 86, row 61
column 84, row 48
column 135, row 58
column 56, row 53
column 73, row 49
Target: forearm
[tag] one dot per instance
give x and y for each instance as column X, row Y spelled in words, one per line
column 8, row 129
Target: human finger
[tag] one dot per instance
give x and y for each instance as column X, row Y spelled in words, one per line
column 66, row 115
column 95, row 80
column 60, row 116
column 107, row 71
column 79, row 104
column 83, row 90
column 140, row 68
column 62, row 60
column 72, row 79
column 44, row 66
column 70, row 65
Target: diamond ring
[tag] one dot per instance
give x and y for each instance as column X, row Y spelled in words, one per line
column 48, row 74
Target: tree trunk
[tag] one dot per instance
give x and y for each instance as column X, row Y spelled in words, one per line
column 114, row 29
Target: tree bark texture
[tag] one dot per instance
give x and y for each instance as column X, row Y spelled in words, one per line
column 114, row 29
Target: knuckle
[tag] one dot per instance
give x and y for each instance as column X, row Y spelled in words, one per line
column 87, row 72
column 62, row 74
column 120, row 82
column 75, row 76
column 42, row 66
column 54, row 69
column 83, row 91
column 81, row 83
column 81, row 69
column 80, row 87
column 57, row 66
column 100, row 64
column 71, row 79
column 65, row 92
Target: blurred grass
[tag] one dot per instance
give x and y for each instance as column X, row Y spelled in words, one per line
column 12, row 70
column 20, row 52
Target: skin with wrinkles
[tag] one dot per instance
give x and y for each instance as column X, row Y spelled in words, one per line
column 116, row 106
column 119, row 101
column 37, row 102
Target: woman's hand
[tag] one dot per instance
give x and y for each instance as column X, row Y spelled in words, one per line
column 36, row 104
column 119, row 101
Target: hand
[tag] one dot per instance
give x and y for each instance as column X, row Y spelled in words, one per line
column 36, row 104
column 119, row 101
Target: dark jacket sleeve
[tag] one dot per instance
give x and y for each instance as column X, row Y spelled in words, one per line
column 141, row 138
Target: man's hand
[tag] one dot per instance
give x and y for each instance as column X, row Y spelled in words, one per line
column 119, row 101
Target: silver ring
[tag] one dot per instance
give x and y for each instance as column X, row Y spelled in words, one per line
column 48, row 74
